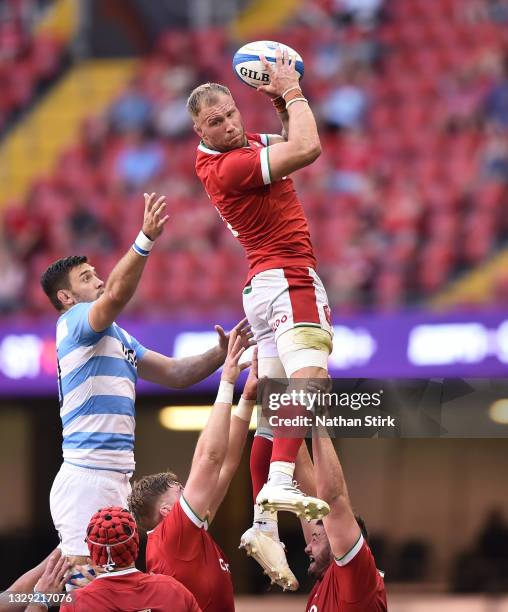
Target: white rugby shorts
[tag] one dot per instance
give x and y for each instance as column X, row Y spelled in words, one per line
column 77, row 493
column 281, row 299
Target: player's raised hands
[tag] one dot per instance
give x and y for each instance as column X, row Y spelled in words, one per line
column 244, row 331
column 55, row 574
column 232, row 367
column 155, row 217
column 250, row 391
column 283, row 74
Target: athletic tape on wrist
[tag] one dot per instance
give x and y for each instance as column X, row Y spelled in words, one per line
column 283, row 95
column 143, row 245
column 225, row 392
column 244, row 409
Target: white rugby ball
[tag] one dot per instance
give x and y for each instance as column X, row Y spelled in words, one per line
column 249, row 68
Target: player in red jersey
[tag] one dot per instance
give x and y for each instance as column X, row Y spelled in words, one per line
column 246, row 177
column 113, row 542
column 347, row 579
column 179, row 544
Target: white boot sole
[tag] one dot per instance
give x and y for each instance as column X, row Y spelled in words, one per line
column 275, row 577
column 308, row 509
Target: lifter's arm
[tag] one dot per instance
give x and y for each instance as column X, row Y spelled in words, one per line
column 340, row 524
column 239, row 428
column 304, row 476
column 303, row 145
column 125, row 276
column 213, row 443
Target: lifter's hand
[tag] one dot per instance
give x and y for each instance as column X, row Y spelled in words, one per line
column 250, row 391
column 283, row 74
column 154, row 219
column 244, row 331
column 55, row 574
column 232, row 368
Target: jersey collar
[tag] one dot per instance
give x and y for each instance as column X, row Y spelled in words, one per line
column 205, row 149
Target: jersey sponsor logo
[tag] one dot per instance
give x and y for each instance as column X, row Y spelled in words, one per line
column 328, row 314
column 223, row 565
column 130, row 355
column 277, row 322
column 313, row 608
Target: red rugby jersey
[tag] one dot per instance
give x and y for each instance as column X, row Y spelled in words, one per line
column 180, row 546
column 265, row 216
column 350, row 584
column 132, row 591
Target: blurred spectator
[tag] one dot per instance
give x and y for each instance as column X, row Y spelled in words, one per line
column 484, row 568
column 88, row 233
column 345, row 106
column 496, row 102
column 141, row 160
column 171, row 117
column 131, row 111
column 12, row 281
column 362, row 12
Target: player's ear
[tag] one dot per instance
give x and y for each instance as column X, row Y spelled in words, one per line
column 164, row 510
column 65, row 297
column 197, row 129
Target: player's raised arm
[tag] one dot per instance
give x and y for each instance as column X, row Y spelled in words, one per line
column 125, row 276
column 179, row 373
column 213, row 443
column 341, row 527
column 238, row 429
column 303, row 145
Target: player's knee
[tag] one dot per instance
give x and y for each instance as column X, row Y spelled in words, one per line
column 305, row 347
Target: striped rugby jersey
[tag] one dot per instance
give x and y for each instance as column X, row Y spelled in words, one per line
column 97, row 373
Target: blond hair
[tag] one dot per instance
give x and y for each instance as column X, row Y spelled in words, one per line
column 204, row 95
column 146, row 493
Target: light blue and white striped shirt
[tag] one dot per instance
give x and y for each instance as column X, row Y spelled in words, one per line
column 97, row 374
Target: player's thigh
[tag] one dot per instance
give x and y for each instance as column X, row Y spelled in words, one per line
column 255, row 300
column 300, row 317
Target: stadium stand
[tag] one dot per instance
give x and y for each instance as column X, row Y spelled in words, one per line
column 409, row 191
column 29, row 58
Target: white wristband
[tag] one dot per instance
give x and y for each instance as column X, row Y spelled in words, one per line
column 225, row 393
column 244, row 409
column 143, row 245
column 288, row 104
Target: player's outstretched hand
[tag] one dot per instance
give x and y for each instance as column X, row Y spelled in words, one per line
column 283, row 74
column 244, row 331
column 54, row 575
column 250, row 391
column 232, row 367
column 154, row 219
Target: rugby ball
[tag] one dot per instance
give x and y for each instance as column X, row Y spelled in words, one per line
column 250, row 69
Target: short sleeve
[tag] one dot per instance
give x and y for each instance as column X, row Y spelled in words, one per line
column 136, row 346
column 357, row 574
column 79, row 326
column 243, row 169
column 181, row 532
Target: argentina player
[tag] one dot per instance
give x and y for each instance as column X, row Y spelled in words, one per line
column 98, row 366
